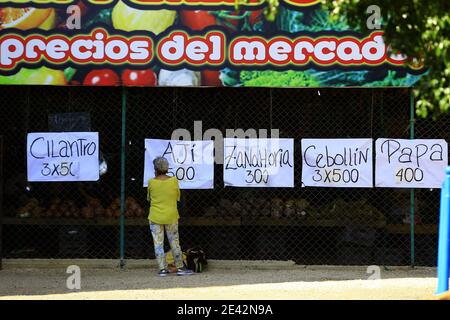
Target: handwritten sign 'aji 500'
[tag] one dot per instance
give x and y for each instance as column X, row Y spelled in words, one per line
column 191, row 162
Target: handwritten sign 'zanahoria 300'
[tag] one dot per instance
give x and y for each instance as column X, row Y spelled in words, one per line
column 258, row 162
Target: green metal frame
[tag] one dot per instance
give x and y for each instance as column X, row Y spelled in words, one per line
column 122, row 178
column 412, row 200
column 1, row 201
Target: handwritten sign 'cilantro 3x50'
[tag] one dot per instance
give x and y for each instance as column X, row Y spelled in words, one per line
column 63, row 156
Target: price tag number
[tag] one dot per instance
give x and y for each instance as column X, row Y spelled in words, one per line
column 61, row 169
column 409, row 175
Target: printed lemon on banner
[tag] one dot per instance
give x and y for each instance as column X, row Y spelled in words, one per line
column 40, row 76
column 129, row 19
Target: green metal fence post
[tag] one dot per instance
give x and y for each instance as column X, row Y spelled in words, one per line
column 411, row 134
column 1, row 200
column 122, row 178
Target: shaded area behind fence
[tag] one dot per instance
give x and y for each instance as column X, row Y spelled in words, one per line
column 308, row 225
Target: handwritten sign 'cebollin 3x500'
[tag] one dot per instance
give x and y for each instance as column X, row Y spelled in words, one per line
column 63, row 156
column 338, row 163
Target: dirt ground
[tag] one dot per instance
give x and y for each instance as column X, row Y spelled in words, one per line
column 253, row 280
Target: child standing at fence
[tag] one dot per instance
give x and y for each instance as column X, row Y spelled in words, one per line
column 163, row 194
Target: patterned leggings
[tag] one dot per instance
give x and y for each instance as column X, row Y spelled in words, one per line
column 158, row 241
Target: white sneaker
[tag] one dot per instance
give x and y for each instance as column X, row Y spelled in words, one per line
column 163, row 273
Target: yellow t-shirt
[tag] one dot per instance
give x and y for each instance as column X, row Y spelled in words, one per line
column 163, row 196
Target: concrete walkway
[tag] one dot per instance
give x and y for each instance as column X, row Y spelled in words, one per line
column 102, row 279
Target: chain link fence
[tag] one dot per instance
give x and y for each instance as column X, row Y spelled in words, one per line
column 344, row 226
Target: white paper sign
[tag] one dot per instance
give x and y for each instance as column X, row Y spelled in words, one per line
column 63, row 156
column 258, row 162
column 418, row 163
column 192, row 162
column 339, row 163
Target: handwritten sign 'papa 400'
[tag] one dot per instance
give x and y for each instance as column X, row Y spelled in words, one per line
column 418, row 163
column 63, row 156
column 191, row 162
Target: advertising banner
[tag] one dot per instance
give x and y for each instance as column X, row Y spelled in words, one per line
column 192, row 162
column 286, row 43
column 418, row 163
column 63, row 156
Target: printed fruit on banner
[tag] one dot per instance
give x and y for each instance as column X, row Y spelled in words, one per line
column 229, row 19
column 27, row 18
column 255, row 21
column 102, row 77
column 179, row 78
column 50, row 22
column 256, row 17
column 211, row 78
column 200, row 19
column 38, row 76
column 197, row 19
column 139, row 78
column 130, row 19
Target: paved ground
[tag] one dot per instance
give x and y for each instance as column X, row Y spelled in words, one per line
column 101, row 279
